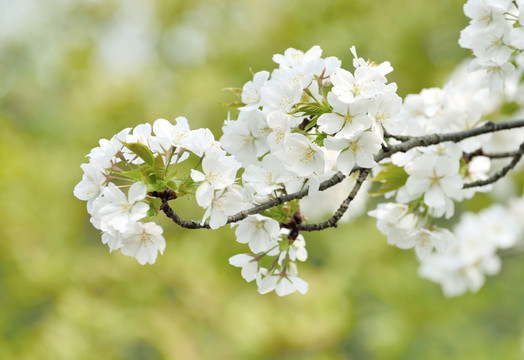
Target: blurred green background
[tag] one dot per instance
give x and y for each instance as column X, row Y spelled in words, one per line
column 72, row 72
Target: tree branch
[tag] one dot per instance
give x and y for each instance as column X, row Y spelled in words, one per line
column 188, row 224
column 408, row 144
column 433, row 139
column 501, row 173
column 397, row 137
column 333, row 220
column 480, row 152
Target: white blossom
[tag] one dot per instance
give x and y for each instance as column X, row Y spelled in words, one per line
column 346, row 120
column 143, row 241
column 302, row 156
column 358, row 150
column 251, row 93
column 223, row 204
column 175, row 135
column 268, row 176
column 436, row 178
column 366, row 83
column 259, row 231
column 218, row 173
column 121, row 210
column 284, row 282
column 249, row 264
column 92, row 184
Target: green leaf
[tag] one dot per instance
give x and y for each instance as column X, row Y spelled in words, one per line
column 283, row 212
column 275, row 213
column 235, row 104
column 284, row 246
column 148, row 175
column 236, row 91
column 389, row 171
column 134, row 174
column 154, row 205
column 312, row 108
column 156, row 202
column 159, row 166
column 391, row 178
column 508, row 108
column 311, row 124
column 142, row 151
column 172, row 185
column 171, row 171
column 319, row 140
column 186, row 187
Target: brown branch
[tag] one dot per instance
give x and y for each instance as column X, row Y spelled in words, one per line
column 333, row 220
column 480, row 152
column 188, row 224
column 433, row 139
column 397, row 137
column 501, row 173
column 412, row 142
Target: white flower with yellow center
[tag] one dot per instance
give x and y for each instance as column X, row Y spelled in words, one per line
column 280, row 124
column 143, row 241
column 121, row 210
column 365, row 84
column 346, row 120
column 284, row 282
column 223, row 204
column 359, row 151
column 219, row 172
column 267, row 176
column 436, row 178
column 303, row 157
column 259, row 231
column 251, row 91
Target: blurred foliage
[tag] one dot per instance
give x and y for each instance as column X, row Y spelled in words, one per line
column 77, row 71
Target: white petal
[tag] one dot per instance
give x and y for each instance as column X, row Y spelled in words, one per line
column 137, row 192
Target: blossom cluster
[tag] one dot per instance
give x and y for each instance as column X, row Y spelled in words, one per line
column 494, row 35
column 265, row 238
column 124, row 174
column 473, row 252
column 297, row 127
column 425, row 184
column 310, row 121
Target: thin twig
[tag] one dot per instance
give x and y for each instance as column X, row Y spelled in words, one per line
column 502, row 155
column 333, row 220
column 501, row 173
column 433, row 139
column 480, row 152
column 397, row 137
column 412, row 142
column 188, row 224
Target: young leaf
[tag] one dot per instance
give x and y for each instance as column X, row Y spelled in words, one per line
column 142, row 151
column 148, row 175
column 319, row 140
column 186, row 187
column 391, row 178
column 311, row 109
column 236, row 91
column 159, row 166
column 172, row 185
column 235, row 104
column 311, row 124
column 134, row 174
column 276, row 213
column 390, row 171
